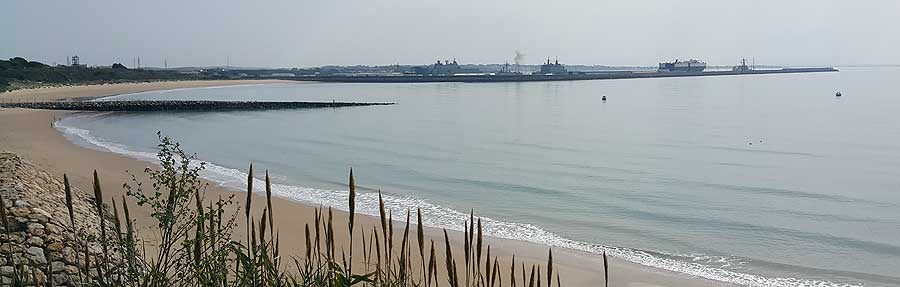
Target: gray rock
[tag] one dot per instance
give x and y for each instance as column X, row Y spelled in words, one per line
column 21, row 222
column 71, row 269
column 22, row 203
column 35, row 225
column 19, row 258
column 38, row 232
column 39, row 275
column 40, row 215
column 57, row 266
column 7, row 248
column 35, row 241
column 36, row 254
column 55, row 246
column 59, row 279
column 6, row 270
column 20, row 212
column 53, row 228
column 69, row 255
column 16, row 237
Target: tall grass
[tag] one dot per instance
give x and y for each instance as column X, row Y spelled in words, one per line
column 194, row 243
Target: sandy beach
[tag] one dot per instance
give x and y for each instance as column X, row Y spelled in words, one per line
column 31, row 134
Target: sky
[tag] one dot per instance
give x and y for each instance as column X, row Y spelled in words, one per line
column 301, row 33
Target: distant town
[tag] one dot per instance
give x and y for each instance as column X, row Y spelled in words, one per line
column 18, row 73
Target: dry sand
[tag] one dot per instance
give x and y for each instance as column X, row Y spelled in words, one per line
column 56, row 93
column 30, row 134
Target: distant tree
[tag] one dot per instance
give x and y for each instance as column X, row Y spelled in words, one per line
column 18, row 61
column 19, row 69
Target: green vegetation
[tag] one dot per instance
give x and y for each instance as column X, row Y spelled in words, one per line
column 195, row 244
column 30, row 73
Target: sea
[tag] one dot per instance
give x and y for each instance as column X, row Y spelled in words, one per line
column 759, row 180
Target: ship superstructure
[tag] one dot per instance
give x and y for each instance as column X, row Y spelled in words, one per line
column 506, row 70
column 693, row 66
column 554, row 68
column 742, row 68
column 443, row 68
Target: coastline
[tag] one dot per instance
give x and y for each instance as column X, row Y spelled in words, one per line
column 88, row 92
column 29, row 133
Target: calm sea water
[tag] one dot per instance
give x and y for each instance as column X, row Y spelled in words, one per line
column 765, row 180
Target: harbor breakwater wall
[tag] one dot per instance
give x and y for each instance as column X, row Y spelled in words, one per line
column 152, row 106
column 573, row 76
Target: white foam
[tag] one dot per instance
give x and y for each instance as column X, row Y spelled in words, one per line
column 438, row 216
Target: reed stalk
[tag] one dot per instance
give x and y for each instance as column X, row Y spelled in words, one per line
column 467, row 249
column 605, row 270
column 531, row 277
column 420, row 237
column 404, row 258
column 352, row 200
column 318, row 219
column 432, row 266
column 116, row 223
column 495, row 273
column 378, row 270
column 98, row 198
column 549, row 267
column 3, row 215
column 451, row 265
column 247, row 208
column 330, row 233
column 269, row 206
column 308, row 244
column 390, row 242
column 485, row 281
column 512, row 272
column 477, row 258
column 69, row 206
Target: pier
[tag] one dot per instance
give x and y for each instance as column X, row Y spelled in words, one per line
column 161, row 106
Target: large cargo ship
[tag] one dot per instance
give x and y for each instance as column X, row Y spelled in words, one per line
column 691, row 65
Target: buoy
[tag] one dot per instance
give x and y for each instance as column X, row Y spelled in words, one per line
column 603, row 98
column 838, row 94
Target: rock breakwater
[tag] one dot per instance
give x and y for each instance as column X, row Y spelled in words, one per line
column 41, row 245
column 161, row 106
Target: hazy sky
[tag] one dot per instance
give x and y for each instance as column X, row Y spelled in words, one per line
column 324, row 32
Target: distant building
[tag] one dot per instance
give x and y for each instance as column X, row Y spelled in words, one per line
column 554, row 68
column 76, row 61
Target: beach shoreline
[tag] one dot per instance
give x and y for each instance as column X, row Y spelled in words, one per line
column 89, row 92
column 30, row 134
